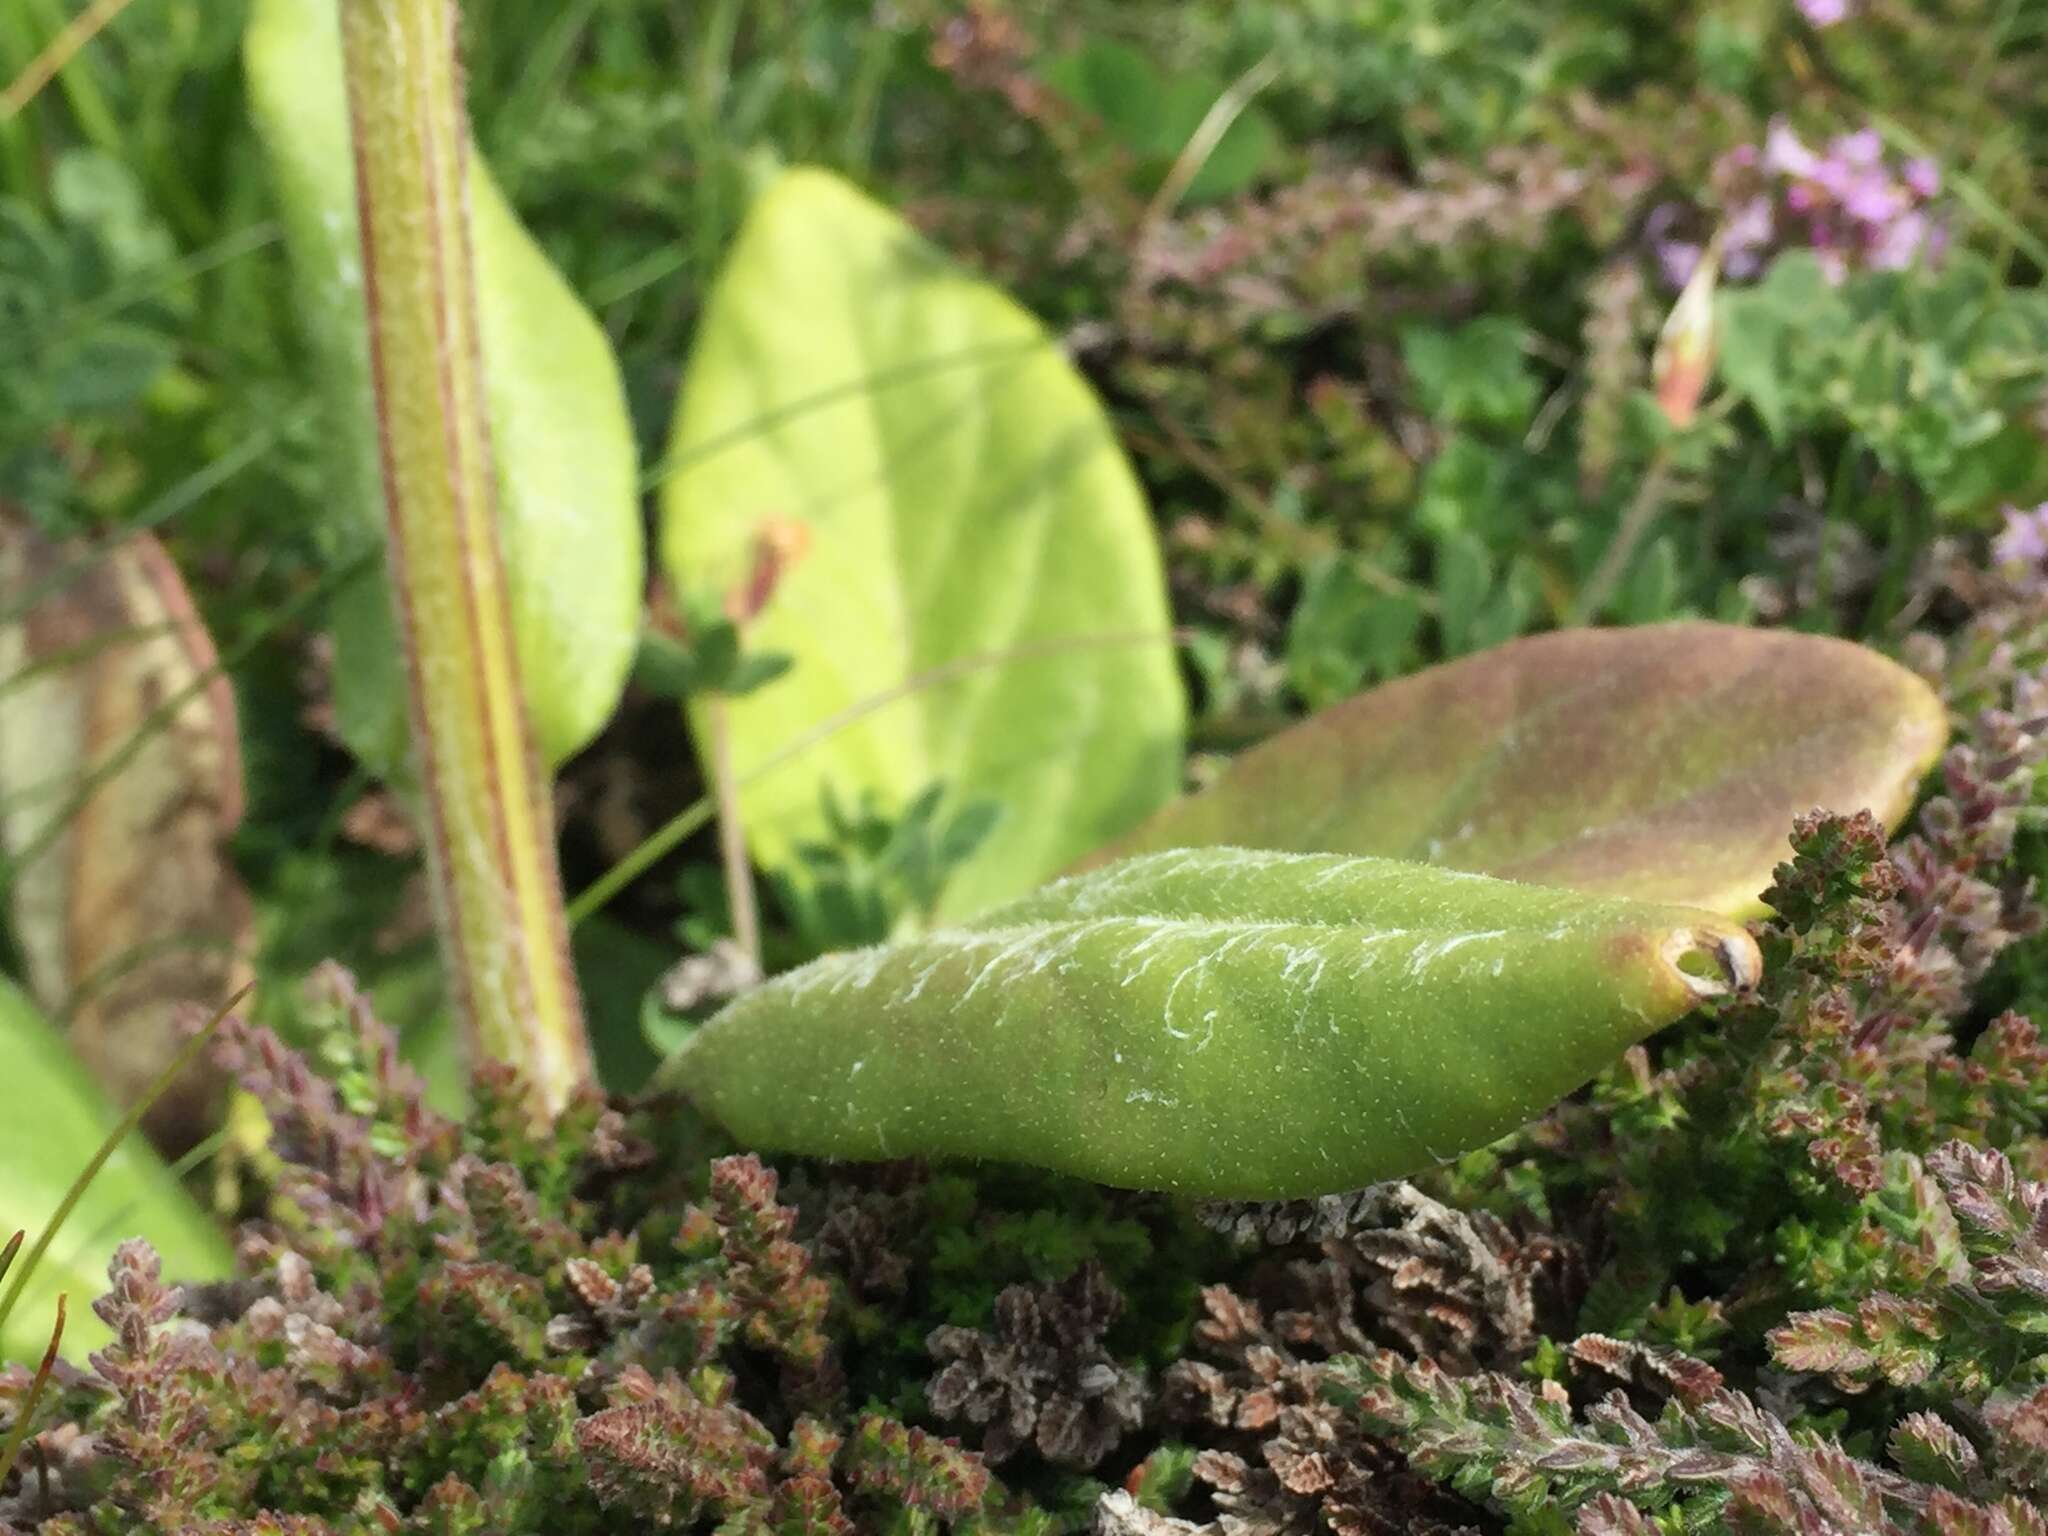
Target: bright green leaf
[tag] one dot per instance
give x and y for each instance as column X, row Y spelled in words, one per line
column 1213, row 1021
column 1664, row 763
column 976, row 540
column 1477, row 375
column 55, row 1122
column 563, row 443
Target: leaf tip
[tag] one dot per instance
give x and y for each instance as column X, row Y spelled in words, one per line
column 1713, row 962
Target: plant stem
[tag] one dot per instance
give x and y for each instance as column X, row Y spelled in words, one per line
column 732, row 838
column 45, row 67
column 491, row 840
column 1635, row 522
column 24, row 1416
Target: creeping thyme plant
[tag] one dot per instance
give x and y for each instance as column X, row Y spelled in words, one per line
column 1782, row 1271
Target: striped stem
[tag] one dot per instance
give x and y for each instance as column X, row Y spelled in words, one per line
column 491, row 841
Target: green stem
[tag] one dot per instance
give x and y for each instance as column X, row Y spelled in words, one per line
column 732, row 837
column 1635, row 522
column 491, row 843
column 24, row 1418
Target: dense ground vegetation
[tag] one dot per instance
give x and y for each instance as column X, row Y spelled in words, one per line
column 1385, row 359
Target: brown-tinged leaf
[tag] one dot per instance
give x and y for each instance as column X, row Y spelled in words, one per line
column 1664, row 763
column 117, row 727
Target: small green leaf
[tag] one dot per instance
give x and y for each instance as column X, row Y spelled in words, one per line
column 1117, row 85
column 757, row 669
column 665, row 667
column 972, row 525
column 1213, row 1021
column 1464, row 576
column 561, row 440
column 1664, row 763
column 1345, row 632
column 1477, row 375
column 54, row 1123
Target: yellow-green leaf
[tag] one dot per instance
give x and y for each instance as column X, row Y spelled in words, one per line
column 1215, row 1021
column 964, row 499
column 55, row 1121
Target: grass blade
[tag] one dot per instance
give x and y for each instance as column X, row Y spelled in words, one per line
column 17, row 1437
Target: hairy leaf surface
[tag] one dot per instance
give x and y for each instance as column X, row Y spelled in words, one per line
column 1215, row 1021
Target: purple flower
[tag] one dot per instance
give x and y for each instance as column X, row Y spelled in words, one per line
column 2025, row 539
column 1678, row 260
column 1849, row 203
column 1784, row 153
column 1833, row 175
column 1901, row 243
column 1823, row 13
column 1873, row 198
column 1746, row 236
column 1862, row 149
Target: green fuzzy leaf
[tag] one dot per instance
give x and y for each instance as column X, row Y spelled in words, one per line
column 57, row 1121
column 971, row 523
column 1664, row 763
column 568, row 502
column 1214, row 1021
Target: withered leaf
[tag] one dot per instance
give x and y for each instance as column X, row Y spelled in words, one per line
column 120, row 780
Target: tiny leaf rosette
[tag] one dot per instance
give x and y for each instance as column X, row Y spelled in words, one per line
column 1219, row 1022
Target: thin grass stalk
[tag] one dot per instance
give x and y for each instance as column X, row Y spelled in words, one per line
column 17, row 1437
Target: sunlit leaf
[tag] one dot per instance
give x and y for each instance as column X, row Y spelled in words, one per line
column 964, row 497
column 1664, row 763
column 55, row 1120
column 119, row 744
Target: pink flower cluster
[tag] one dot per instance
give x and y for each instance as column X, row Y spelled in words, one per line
column 1823, row 13
column 1847, row 202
